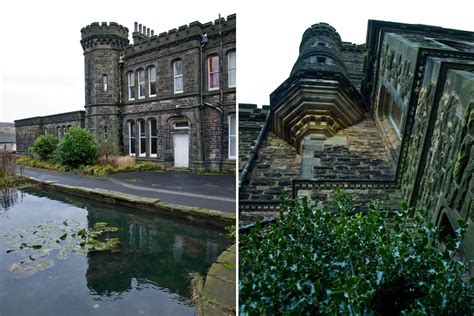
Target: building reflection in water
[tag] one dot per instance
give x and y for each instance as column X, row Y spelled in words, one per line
column 9, row 197
column 159, row 252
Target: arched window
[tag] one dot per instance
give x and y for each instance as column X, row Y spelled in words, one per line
column 178, row 76
column 104, row 82
column 213, row 72
column 231, row 69
column 152, row 81
column 141, row 84
column 142, row 139
column 153, row 132
column 131, row 138
column 131, row 85
column 232, row 136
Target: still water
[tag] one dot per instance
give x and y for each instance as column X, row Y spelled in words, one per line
column 148, row 276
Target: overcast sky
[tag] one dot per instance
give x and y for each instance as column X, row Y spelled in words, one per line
column 41, row 61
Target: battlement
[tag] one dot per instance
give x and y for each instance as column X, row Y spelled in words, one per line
column 192, row 29
column 321, row 29
column 252, row 112
column 97, row 29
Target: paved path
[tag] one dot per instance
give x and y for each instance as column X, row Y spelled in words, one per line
column 182, row 188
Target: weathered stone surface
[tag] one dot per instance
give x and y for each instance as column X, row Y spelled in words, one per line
column 109, row 108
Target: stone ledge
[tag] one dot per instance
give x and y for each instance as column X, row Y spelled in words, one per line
column 206, row 216
column 220, row 286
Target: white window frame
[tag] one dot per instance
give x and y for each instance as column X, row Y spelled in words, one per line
column 231, row 72
column 178, row 77
column 131, row 85
column 150, row 82
column 141, row 83
column 130, row 139
column 140, row 137
column 153, row 138
column 210, row 73
column 232, row 137
column 104, row 83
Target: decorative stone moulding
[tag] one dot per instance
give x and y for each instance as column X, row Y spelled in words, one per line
column 318, row 107
column 317, row 99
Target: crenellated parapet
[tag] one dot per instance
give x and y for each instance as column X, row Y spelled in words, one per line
column 97, row 34
column 145, row 41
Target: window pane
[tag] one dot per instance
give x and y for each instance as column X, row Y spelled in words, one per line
column 213, row 78
column 152, row 88
column 153, row 131
column 132, row 129
column 142, row 146
column 232, row 137
column 154, row 146
column 104, row 82
column 152, row 74
column 178, row 67
column 231, row 71
column 396, row 114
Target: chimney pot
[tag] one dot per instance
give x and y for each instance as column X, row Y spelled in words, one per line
column 136, row 26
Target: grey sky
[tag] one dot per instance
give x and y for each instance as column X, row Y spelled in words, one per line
column 269, row 36
column 41, row 60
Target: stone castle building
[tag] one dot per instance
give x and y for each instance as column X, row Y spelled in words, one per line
column 391, row 120
column 167, row 98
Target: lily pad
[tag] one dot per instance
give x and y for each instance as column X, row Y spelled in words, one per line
column 35, row 244
column 27, row 268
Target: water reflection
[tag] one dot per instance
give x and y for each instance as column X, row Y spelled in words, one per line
column 150, row 273
column 8, row 198
column 153, row 251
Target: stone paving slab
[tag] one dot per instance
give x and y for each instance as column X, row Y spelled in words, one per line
column 220, row 286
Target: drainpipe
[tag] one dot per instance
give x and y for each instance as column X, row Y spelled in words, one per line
column 221, row 97
column 120, row 129
column 204, row 41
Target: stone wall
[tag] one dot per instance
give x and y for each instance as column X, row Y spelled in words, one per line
column 27, row 130
column 447, row 185
column 357, row 152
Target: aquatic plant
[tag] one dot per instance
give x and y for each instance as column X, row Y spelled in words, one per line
column 69, row 237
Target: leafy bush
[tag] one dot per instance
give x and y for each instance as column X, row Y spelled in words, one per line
column 44, row 146
column 77, row 147
column 320, row 261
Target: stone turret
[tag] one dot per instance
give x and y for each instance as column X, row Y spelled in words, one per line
column 103, row 45
column 320, row 49
column 317, row 100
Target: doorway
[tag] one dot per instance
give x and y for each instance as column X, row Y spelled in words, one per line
column 181, row 150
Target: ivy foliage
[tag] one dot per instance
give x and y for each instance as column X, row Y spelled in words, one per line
column 77, row 147
column 319, row 261
column 44, row 146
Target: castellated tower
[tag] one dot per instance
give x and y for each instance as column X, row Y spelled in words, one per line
column 318, row 99
column 103, row 44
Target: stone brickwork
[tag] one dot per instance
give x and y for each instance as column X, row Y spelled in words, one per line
column 109, row 60
column 357, row 153
column 27, row 130
column 414, row 144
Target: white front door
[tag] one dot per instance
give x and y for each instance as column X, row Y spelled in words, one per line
column 181, row 150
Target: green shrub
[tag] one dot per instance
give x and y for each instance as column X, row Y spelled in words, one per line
column 77, row 147
column 319, row 261
column 44, row 146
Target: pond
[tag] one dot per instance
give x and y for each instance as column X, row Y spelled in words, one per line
column 148, row 274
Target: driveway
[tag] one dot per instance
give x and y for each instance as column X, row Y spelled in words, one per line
column 182, row 188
